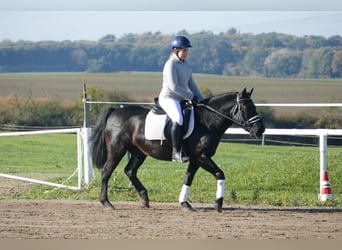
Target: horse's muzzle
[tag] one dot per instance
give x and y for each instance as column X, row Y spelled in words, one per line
column 255, row 126
column 257, row 129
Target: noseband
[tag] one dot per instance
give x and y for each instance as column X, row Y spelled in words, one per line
column 247, row 124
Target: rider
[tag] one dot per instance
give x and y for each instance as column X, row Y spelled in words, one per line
column 178, row 85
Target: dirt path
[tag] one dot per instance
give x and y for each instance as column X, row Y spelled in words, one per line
column 23, row 219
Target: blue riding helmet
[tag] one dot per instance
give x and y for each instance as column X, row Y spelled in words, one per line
column 180, row 42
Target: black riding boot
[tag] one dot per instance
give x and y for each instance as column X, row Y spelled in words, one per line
column 178, row 154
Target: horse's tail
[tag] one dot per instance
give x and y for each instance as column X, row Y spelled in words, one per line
column 97, row 140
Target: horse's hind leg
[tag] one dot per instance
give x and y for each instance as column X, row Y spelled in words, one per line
column 107, row 171
column 136, row 160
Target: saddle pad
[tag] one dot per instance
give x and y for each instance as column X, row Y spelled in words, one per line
column 155, row 125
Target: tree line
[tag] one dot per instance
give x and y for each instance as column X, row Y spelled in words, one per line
column 229, row 53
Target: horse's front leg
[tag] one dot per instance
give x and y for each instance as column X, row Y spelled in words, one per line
column 189, row 177
column 209, row 165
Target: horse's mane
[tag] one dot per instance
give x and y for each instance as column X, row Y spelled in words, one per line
column 215, row 102
column 218, row 99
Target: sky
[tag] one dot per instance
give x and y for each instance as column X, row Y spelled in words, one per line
column 37, row 20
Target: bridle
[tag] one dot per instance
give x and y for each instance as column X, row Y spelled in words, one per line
column 247, row 124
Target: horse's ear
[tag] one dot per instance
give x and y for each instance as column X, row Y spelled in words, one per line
column 250, row 94
column 243, row 93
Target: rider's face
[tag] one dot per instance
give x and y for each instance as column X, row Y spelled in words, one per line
column 182, row 53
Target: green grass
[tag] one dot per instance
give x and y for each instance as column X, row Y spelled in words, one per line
column 53, row 153
column 262, row 175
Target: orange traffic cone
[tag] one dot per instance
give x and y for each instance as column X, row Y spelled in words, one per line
column 325, row 188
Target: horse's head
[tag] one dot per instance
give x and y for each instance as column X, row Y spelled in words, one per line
column 245, row 114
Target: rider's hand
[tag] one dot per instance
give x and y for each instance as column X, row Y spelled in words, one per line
column 194, row 100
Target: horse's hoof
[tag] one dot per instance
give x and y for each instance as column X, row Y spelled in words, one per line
column 219, row 204
column 187, row 207
column 107, row 204
column 145, row 203
column 144, row 199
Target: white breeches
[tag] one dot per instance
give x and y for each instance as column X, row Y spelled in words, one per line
column 173, row 109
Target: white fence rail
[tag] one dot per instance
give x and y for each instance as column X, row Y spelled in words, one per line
column 318, row 105
column 55, row 131
column 312, row 105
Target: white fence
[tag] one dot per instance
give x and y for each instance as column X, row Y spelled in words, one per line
column 321, row 133
column 84, row 133
column 78, row 131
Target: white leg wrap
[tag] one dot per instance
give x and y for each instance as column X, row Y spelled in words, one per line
column 220, row 189
column 184, row 193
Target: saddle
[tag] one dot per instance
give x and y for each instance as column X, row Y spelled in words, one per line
column 158, row 124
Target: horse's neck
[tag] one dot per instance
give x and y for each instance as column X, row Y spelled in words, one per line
column 223, row 105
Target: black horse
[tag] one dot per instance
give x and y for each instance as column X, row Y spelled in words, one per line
column 119, row 131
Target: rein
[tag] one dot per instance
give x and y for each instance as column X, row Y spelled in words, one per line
column 244, row 125
column 218, row 113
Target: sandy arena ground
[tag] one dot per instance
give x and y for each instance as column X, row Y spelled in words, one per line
column 65, row 219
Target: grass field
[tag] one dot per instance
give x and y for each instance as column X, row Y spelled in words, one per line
column 255, row 174
column 144, row 86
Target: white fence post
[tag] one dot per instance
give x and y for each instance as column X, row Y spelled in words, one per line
column 79, row 158
column 86, row 132
column 88, row 169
